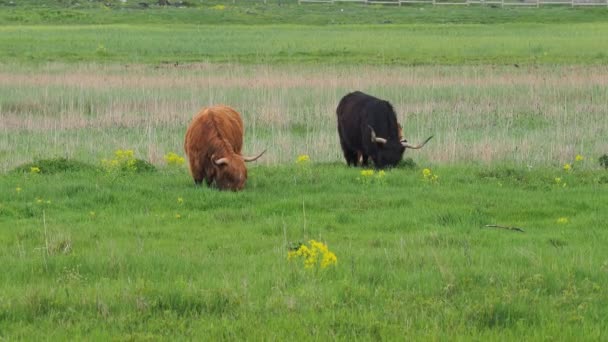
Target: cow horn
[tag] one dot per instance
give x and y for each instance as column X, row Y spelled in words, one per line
column 415, row 147
column 221, row 161
column 250, row 159
column 376, row 139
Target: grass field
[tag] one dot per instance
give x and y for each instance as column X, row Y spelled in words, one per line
column 137, row 256
column 456, row 44
column 251, row 32
column 516, row 100
column 255, row 13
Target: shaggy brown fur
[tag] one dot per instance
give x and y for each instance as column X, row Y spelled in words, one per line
column 213, row 145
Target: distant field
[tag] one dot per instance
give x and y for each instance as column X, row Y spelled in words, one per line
column 253, row 32
column 415, row 44
column 256, row 12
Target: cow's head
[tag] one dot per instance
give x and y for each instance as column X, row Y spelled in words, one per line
column 390, row 152
column 231, row 172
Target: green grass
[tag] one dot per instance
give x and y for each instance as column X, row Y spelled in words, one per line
column 288, row 12
column 362, row 44
column 288, row 33
column 108, row 257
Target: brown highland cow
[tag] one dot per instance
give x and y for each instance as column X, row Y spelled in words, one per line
column 213, row 145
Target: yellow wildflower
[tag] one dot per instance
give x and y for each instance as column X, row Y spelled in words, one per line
column 219, row 7
column 124, row 160
column 34, row 169
column 367, row 173
column 18, row 189
column 558, row 180
column 92, row 213
column 124, row 154
column 180, row 200
column 312, row 254
column 562, row 220
column 579, row 157
column 329, row 259
column 381, row 174
column 567, row 167
column 178, row 216
column 304, row 158
column 318, row 246
column 304, row 251
column 428, row 175
column 292, row 255
column 310, row 262
column 173, row 159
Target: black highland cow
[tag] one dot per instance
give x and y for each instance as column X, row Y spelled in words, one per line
column 368, row 127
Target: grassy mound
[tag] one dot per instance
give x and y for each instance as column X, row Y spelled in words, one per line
column 62, row 165
column 54, row 165
column 142, row 166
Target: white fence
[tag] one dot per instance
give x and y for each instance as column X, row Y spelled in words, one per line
column 502, row 3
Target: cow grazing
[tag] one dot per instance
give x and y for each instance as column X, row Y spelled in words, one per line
column 213, row 145
column 368, row 128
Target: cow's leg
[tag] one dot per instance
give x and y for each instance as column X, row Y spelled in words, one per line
column 364, row 160
column 196, row 170
column 352, row 157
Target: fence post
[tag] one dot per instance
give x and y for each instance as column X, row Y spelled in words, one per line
column 502, row 3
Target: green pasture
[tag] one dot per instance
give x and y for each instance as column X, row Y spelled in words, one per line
column 582, row 43
column 150, row 256
column 256, row 12
column 284, row 32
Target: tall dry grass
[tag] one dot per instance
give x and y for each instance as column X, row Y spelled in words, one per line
column 529, row 115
